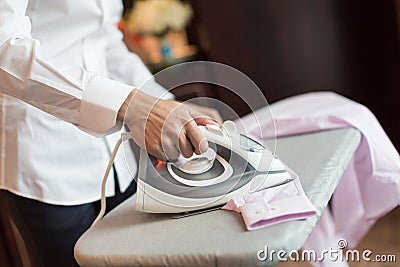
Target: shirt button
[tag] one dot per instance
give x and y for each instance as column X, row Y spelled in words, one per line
column 260, row 211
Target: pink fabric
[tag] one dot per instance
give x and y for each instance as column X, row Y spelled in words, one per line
column 274, row 205
column 324, row 237
column 370, row 186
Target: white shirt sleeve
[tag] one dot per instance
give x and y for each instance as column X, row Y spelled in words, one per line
column 72, row 94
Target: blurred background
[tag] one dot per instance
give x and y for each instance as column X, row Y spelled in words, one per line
column 286, row 47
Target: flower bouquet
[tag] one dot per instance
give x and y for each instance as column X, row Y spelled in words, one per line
column 156, row 28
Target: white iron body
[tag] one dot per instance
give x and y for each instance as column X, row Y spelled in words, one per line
column 242, row 166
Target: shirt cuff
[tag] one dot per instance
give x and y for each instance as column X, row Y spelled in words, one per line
column 100, row 104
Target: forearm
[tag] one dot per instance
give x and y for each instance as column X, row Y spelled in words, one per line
column 124, row 107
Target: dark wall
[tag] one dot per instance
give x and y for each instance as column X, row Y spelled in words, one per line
column 289, row 47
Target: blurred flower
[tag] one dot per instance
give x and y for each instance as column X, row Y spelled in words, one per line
column 157, row 16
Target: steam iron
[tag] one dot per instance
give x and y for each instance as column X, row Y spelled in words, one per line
column 233, row 166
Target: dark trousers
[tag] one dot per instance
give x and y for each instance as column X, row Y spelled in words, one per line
column 51, row 231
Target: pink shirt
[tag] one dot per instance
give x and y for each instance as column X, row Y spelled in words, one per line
column 370, row 186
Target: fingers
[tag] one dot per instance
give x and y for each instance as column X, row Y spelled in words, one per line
column 211, row 113
column 202, row 119
column 157, row 126
column 165, row 152
column 162, row 146
column 170, row 150
column 156, row 151
column 196, row 137
column 185, row 146
column 214, row 114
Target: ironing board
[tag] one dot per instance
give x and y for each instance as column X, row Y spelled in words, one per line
column 126, row 237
